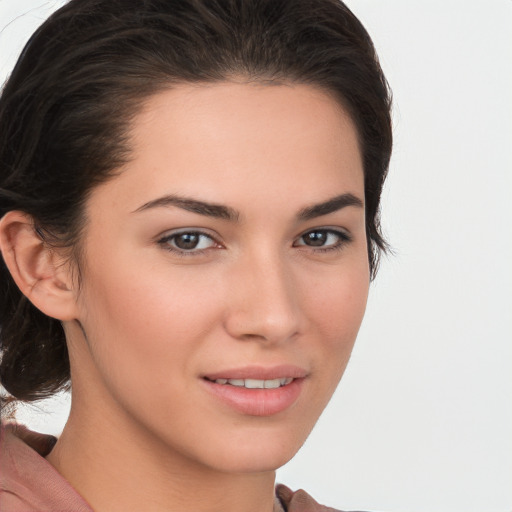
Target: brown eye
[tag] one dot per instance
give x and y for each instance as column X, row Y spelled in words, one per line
column 315, row 238
column 324, row 239
column 187, row 241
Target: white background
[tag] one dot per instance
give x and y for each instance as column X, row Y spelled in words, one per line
column 422, row 421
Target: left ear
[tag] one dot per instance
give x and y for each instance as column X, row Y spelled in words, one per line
column 41, row 272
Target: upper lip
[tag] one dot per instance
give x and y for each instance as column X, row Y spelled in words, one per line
column 259, row 373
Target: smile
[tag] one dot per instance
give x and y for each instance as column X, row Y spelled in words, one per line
column 256, row 397
column 256, row 383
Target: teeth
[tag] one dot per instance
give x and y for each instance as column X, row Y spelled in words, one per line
column 272, row 384
column 256, row 383
column 237, row 382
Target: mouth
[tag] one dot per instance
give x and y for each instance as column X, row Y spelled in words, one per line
column 254, row 383
column 256, row 391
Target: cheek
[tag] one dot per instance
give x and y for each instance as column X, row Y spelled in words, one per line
column 336, row 310
column 150, row 322
column 337, row 296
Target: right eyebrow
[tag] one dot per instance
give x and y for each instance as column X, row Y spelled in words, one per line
column 218, row 211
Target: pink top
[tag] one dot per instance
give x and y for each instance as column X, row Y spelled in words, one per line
column 29, row 483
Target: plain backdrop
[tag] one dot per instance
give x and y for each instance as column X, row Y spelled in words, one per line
column 422, row 420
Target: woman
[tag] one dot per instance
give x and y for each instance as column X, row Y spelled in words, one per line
column 190, row 220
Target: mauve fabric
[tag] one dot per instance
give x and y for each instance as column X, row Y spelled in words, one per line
column 29, row 483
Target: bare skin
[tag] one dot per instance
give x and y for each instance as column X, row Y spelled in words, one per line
column 170, row 297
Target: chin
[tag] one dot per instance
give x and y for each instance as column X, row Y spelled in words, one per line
column 261, row 451
column 254, row 461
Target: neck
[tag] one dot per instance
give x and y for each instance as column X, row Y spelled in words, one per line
column 124, row 470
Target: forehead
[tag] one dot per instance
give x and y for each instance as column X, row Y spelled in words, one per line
column 234, row 142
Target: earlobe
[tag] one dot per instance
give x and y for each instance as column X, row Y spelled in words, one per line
column 39, row 270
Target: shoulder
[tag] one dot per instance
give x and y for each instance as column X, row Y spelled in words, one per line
column 299, row 501
column 28, row 482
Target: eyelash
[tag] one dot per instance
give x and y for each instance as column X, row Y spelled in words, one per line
column 343, row 239
column 165, row 243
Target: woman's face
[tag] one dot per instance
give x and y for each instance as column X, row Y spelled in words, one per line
column 225, row 274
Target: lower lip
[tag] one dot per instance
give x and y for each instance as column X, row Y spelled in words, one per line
column 257, row 402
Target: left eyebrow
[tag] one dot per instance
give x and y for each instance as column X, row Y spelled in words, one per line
column 329, row 206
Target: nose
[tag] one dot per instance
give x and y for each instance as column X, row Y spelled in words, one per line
column 263, row 303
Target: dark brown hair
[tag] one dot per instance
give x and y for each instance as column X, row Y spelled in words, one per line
column 83, row 75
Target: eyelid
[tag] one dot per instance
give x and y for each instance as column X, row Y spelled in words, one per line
column 344, row 238
column 165, row 237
